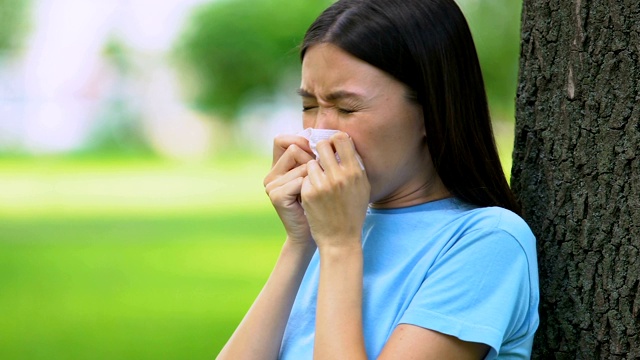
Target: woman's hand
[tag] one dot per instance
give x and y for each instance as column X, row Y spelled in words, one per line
column 260, row 333
column 284, row 182
column 335, row 196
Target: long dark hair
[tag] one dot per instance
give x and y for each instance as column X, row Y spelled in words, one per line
column 427, row 45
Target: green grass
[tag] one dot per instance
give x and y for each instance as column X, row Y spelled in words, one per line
column 167, row 276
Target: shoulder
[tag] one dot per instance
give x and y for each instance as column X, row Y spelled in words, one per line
column 491, row 239
column 497, row 222
column 486, row 278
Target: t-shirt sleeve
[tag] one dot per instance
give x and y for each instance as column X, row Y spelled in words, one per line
column 477, row 290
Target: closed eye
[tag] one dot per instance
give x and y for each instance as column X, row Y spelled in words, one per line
column 340, row 110
column 346, row 111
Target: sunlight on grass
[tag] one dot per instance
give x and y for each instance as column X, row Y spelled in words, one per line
column 62, row 188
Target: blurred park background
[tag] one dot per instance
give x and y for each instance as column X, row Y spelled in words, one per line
column 134, row 136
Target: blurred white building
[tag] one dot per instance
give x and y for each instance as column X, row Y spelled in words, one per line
column 51, row 96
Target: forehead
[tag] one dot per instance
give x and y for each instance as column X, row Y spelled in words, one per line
column 328, row 69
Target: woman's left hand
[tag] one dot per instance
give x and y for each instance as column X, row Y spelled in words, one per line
column 335, row 196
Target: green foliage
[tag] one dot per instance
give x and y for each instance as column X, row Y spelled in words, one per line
column 13, row 24
column 495, row 25
column 236, row 49
column 118, row 55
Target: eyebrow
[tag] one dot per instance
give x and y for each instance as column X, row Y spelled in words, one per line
column 336, row 95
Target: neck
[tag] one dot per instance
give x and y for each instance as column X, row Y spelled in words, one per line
column 431, row 190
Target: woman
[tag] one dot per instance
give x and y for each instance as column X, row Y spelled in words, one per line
column 418, row 253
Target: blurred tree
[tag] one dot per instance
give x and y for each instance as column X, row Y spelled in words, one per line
column 495, row 26
column 576, row 170
column 13, row 24
column 118, row 129
column 235, row 49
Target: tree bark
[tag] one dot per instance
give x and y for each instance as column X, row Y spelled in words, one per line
column 576, row 171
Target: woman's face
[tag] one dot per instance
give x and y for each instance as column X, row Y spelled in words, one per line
column 342, row 92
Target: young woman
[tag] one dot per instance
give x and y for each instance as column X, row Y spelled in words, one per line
column 407, row 244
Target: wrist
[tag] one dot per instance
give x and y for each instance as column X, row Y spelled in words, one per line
column 303, row 247
column 342, row 251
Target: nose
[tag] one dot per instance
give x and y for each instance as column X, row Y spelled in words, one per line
column 326, row 118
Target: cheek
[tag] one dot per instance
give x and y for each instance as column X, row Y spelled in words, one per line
column 369, row 137
column 388, row 151
column 368, row 149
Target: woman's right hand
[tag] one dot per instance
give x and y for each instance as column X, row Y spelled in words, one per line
column 284, row 183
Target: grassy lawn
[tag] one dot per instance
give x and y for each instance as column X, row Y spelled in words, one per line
column 136, row 259
column 129, row 260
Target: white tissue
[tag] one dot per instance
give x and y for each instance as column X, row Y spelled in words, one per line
column 315, row 135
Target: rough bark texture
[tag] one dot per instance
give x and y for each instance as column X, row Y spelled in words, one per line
column 576, row 171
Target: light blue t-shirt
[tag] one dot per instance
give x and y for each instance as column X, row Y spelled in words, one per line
column 446, row 266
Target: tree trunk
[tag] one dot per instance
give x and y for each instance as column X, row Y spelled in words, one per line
column 576, row 170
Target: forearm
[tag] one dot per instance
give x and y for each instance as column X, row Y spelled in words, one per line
column 339, row 333
column 259, row 335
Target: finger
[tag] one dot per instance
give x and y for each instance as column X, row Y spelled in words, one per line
column 304, row 189
column 315, row 173
column 293, row 157
column 298, row 172
column 288, row 193
column 346, row 150
column 282, row 142
column 327, row 156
